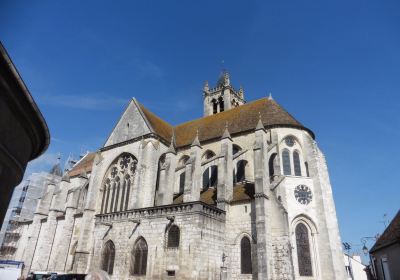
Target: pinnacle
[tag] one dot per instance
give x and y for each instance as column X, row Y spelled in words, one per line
column 260, row 125
column 226, row 133
column 196, row 141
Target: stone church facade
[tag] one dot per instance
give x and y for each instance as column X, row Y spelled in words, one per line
column 241, row 193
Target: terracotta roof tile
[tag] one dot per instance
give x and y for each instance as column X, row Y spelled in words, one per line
column 241, row 192
column 390, row 235
column 161, row 127
column 84, row 165
column 239, row 119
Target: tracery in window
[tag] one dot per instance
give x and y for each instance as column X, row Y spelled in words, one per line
column 173, row 237
column 139, row 257
column 303, row 250
column 117, row 184
column 296, row 163
column 287, row 170
column 108, row 256
column 245, row 256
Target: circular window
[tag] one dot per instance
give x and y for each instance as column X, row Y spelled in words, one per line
column 303, row 194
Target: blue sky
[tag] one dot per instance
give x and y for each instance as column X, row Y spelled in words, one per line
column 334, row 65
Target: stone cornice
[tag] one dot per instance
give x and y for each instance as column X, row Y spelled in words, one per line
column 164, row 211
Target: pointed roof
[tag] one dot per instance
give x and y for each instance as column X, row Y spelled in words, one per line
column 241, row 119
column 56, row 170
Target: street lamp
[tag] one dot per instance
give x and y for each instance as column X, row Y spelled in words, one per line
column 364, row 241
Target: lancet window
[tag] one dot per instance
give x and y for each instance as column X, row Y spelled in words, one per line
column 139, row 257
column 287, row 170
column 210, row 177
column 118, row 183
column 173, row 237
column 296, row 163
column 240, row 171
column 303, row 250
column 108, row 256
column 245, row 256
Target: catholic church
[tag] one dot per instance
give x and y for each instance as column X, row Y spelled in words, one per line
column 241, row 193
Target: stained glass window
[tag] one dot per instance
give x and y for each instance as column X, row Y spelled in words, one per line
column 296, row 163
column 287, row 170
column 116, row 189
column 108, row 257
column 245, row 256
column 303, row 250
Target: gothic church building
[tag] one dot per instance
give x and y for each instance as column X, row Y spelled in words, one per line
column 241, row 193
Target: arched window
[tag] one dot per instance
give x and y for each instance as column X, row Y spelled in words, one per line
column 173, row 237
column 139, row 258
column 240, row 171
column 82, row 197
column 215, row 106
column 182, row 182
column 245, row 256
column 108, row 257
column 117, row 183
column 287, row 170
column 235, row 149
column 182, row 161
column 296, row 163
column 210, row 177
column 303, row 250
column 271, row 164
column 221, row 104
column 208, row 155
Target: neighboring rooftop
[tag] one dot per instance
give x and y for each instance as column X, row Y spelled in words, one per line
column 84, row 165
column 390, row 236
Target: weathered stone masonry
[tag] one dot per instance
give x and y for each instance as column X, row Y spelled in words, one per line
column 245, row 188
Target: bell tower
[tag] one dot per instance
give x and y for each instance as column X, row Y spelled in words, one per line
column 222, row 97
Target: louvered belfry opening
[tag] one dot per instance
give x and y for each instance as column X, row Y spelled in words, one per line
column 245, row 256
column 108, row 257
column 139, row 258
column 173, row 237
column 303, row 250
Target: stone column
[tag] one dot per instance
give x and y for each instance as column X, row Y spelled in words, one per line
column 62, row 243
column 225, row 171
column 33, row 236
column 193, row 174
column 33, row 252
column 147, row 186
column 261, row 200
column 167, row 176
column 85, row 240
